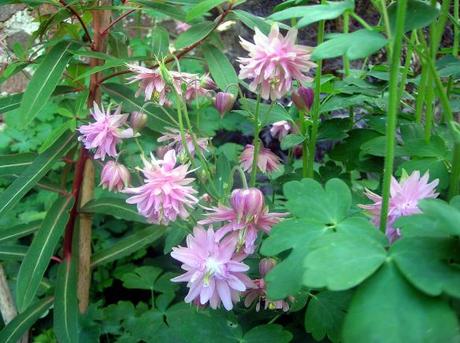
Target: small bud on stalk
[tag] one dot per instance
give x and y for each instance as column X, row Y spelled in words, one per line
column 303, row 98
column 224, row 102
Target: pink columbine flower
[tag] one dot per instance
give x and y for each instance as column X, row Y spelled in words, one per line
column 194, row 85
column 165, row 194
column 259, row 293
column 105, row 133
column 280, row 129
column 151, row 83
column 138, row 120
column 244, row 218
column 274, row 62
column 174, row 138
column 114, row 176
column 181, row 26
column 213, row 274
column 303, row 98
column 267, row 161
column 404, row 198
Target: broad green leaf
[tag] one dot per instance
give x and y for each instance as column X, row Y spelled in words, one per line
column 358, row 44
column 427, row 262
column 115, row 207
column 419, row 14
column 15, row 164
column 194, row 34
column 252, row 21
column 39, row 167
column 13, row 332
column 41, row 250
column 128, row 245
column 269, row 333
column 291, row 141
column 340, row 261
column 314, row 13
column 388, row 309
column 269, row 114
column 325, row 314
column 44, row 81
column 141, row 278
column 202, row 7
column 221, row 69
column 56, row 133
column 160, row 42
column 12, row 252
column 10, row 102
column 167, row 9
column 66, row 304
column 18, row 231
column 338, row 102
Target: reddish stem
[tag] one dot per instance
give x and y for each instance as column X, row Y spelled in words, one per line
column 113, row 23
column 82, row 23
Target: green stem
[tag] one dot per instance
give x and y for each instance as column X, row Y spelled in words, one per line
column 346, row 29
column 256, row 143
column 386, row 20
column 421, row 95
column 393, row 105
column 429, row 108
column 455, row 172
column 405, row 72
column 440, row 25
column 456, row 29
column 303, row 130
column 242, row 176
column 361, row 21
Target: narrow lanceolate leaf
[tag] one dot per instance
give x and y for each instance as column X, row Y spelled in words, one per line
column 18, row 231
column 194, row 34
column 66, row 305
column 34, row 265
column 202, row 7
column 114, row 207
column 10, row 102
column 128, row 245
column 12, row 252
column 16, row 163
column 44, row 81
column 20, row 324
column 221, row 69
column 39, row 167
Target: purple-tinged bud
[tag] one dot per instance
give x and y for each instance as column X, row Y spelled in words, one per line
column 224, row 102
column 265, row 265
column 247, row 203
column 303, row 98
column 114, row 176
column 138, row 120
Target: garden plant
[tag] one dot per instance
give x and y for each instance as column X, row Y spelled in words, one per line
column 193, row 171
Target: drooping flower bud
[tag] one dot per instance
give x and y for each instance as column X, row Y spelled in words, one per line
column 114, row 176
column 303, row 98
column 280, row 129
column 265, row 265
column 224, row 102
column 247, row 203
column 138, row 120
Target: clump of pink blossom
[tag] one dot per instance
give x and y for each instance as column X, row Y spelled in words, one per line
column 404, row 198
column 194, row 84
column 151, row 84
column 212, row 274
column 114, row 176
column 174, row 138
column 274, row 62
column 166, row 193
column 267, row 161
column 182, row 26
column 106, row 132
column 280, row 129
column 244, row 218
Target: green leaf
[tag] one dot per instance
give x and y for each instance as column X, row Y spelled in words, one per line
column 253, row 21
column 56, row 134
column 141, row 278
column 315, row 13
column 358, row 44
column 15, row 164
column 128, row 245
column 325, row 314
column 269, row 333
column 107, row 65
column 10, row 102
column 18, row 231
column 194, row 34
column 44, row 81
column 387, row 309
column 13, row 332
column 66, row 304
column 419, row 14
column 39, row 167
column 12, row 251
column 114, row 207
column 291, row 140
column 427, row 263
column 167, row 9
column 221, row 69
column 202, row 7
column 340, row 261
column 160, row 42
column 41, row 250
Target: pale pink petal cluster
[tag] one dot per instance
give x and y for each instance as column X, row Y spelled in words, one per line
column 244, row 218
column 280, row 129
column 105, row 132
column 114, row 176
column 182, row 26
column 267, row 161
column 404, row 198
column 213, row 274
column 194, row 84
column 166, row 193
column 274, row 62
column 258, row 294
column 174, row 139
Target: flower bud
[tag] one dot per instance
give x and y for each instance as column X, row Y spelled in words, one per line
column 138, row 120
column 247, row 203
column 265, row 265
column 224, row 102
column 114, row 176
column 303, row 98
